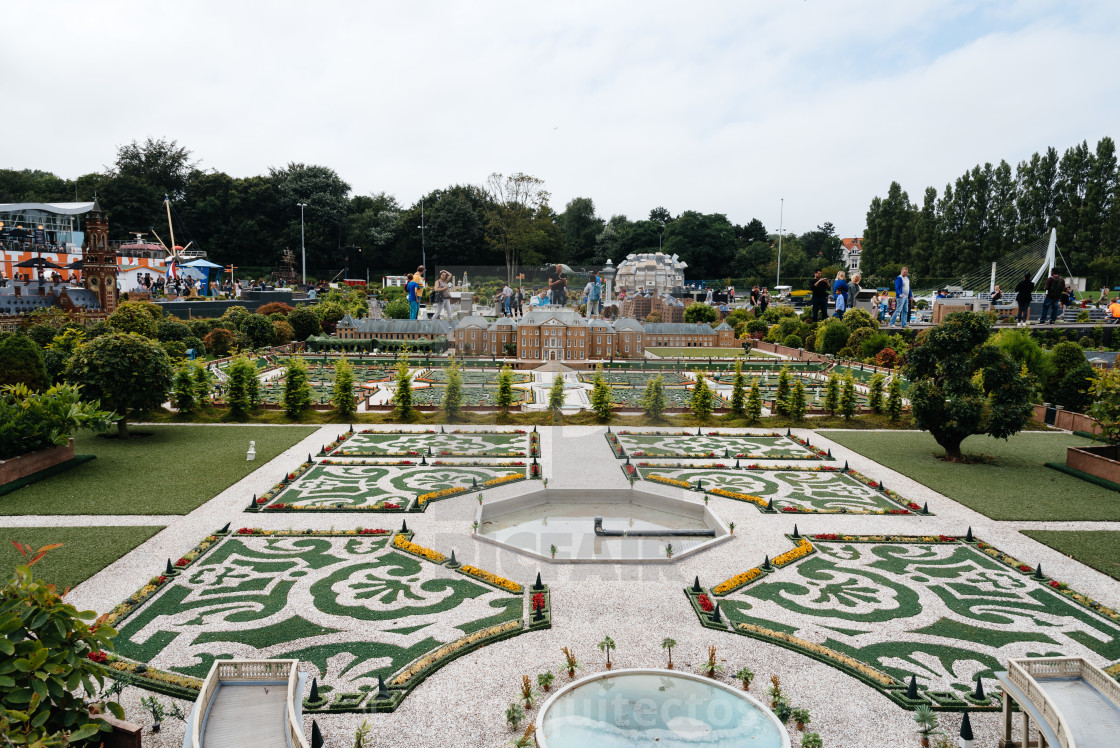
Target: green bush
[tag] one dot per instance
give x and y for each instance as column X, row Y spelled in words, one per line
column 235, row 315
column 243, row 390
column 304, row 322
column 857, row 319
column 794, row 341
column 30, row 421
column 132, row 316
column 128, row 373
column 699, row 312
column 396, row 309
column 259, row 329
column 21, row 361
column 282, row 332
column 175, row 350
column 832, row 336
column 871, row 345
column 219, row 341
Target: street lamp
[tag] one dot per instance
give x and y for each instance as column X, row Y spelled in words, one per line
column 302, row 244
column 781, row 216
column 423, row 244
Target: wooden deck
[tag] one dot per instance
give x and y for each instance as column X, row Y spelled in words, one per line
column 247, row 715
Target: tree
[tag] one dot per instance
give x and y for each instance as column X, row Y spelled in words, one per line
column 796, row 405
column 705, row 241
column 203, row 383
column 653, row 400
column 184, row 390
column 243, row 389
column 282, row 332
column 403, row 395
column 163, row 165
column 738, row 387
column 297, row 390
column 701, row 398
column 21, row 361
column 453, row 395
column 504, row 395
column 832, row 393
column 961, row 386
column 607, row 645
column 1106, row 403
column 132, row 316
column 848, row 398
column 754, row 403
column 601, row 396
column 781, row 396
column 516, row 217
column 894, row 399
column 699, row 312
column 259, row 329
column 581, row 228
column 128, row 373
column 396, row 309
column 343, row 395
column 832, row 336
column 556, row 394
column 304, row 322
column 46, row 648
column 875, row 393
column 219, row 341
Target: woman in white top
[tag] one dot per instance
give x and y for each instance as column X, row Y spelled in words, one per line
column 441, row 294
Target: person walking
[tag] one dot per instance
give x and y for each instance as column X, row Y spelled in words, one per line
column 594, row 293
column 518, row 300
column 412, row 288
column 819, row 289
column 507, row 300
column 708, row 296
column 441, row 294
column 1024, row 291
column 1055, row 287
column 558, row 285
column 904, row 296
column 853, row 290
column 840, row 294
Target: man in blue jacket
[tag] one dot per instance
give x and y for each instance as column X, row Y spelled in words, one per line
column 904, row 296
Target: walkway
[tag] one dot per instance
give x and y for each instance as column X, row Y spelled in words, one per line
column 247, row 714
column 580, row 457
column 1093, row 720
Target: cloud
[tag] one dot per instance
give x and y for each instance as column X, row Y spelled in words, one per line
column 719, row 107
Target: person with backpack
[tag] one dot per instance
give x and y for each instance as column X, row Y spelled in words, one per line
column 1023, row 294
column 593, row 292
column 1055, row 289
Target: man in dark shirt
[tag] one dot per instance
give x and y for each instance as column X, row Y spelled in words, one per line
column 557, row 286
column 1055, row 287
column 820, row 289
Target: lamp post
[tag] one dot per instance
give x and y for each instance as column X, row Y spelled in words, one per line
column 781, row 216
column 302, row 243
column 423, row 244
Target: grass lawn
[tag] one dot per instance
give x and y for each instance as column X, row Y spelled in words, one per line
column 706, row 352
column 85, row 550
column 1096, row 548
column 1015, row 486
column 173, row 471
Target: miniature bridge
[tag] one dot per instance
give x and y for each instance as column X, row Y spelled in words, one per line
column 1073, row 703
column 249, row 702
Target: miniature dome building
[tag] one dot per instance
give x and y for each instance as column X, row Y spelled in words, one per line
column 651, row 270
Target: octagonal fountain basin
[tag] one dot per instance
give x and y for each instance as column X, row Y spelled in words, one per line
column 665, row 708
column 612, row 525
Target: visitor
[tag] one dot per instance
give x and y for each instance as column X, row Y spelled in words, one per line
column 558, row 285
column 1023, row 294
column 708, row 296
column 840, row 294
column 412, row 288
column 1055, row 287
column 441, row 294
column 593, row 292
column 507, row 300
column 904, row 297
column 819, row 290
column 853, row 290
column 763, row 301
column 997, row 296
column 1102, row 300
column 518, row 300
column 1114, row 310
column 731, row 294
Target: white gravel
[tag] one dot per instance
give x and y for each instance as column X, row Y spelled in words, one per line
column 463, row 703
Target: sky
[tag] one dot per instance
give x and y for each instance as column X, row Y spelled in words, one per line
column 791, row 111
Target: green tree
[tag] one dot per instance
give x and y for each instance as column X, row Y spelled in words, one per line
column 701, row 402
column 848, row 398
column 653, row 399
column 518, row 218
column 581, row 228
column 31, row 421
column 1106, row 403
column 396, row 309
column 297, row 390
column 754, row 403
column 781, row 396
column 343, row 395
column 875, row 394
column 127, row 372
column 699, row 312
column 243, row 388
column 46, row 664
column 453, row 395
column 1072, row 392
column 133, row 316
column 304, row 322
column 259, row 329
column 556, row 394
column 796, row 405
column 21, row 361
column 161, row 164
column 403, row 395
column 219, row 341
column 961, row 386
column 894, row 399
column 504, row 395
column 832, row 336
column 601, row 395
column 738, row 390
column 705, row 241
column 184, row 390
column 832, row 393
column 203, row 384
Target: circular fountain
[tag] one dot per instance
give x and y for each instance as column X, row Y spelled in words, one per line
column 666, row 708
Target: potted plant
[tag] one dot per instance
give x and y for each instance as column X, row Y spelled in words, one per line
column 926, row 720
column 775, row 691
column 514, row 715
column 731, row 526
column 552, row 550
column 474, row 526
column 525, row 741
column 812, row 740
column 606, row 646
column 712, row 667
column 527, row 692
column 572, row 664
column 155, row 708
column 668, row 644
column 746, row 675
column 544, row 680
column 800, row 715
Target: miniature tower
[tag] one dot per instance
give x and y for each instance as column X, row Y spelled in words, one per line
column 99, row 264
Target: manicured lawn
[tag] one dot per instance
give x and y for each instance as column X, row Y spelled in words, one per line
column 1096, row 548
column 1015, row 486
column 85, row 550
column 705, row 352
column 173, row 471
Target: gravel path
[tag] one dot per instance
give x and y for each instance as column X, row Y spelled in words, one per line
column 463, row 703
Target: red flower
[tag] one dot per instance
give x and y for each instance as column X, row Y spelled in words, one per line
column 946, row 538
column 245, row 531
column 391, row 506
column 161, row 579
column 291, row 476
column 705, row 603
column 538, row 601
column 873, row 484
column 912, row 505
column 97, row 656
column 182, row 562
column 826, row 536
column 790, row 509
column 1024, row 567
column 1055, row 583
column 899, row 511
column 370, row 531
column 262, row 500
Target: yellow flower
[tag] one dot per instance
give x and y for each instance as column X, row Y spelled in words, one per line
column 738, row 496
column 493, row 579
column 400, row 541
column 736, row 581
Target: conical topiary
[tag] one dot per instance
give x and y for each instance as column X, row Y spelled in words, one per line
column 696, row 585
column 966, row 727
column 538, row 585
column 978, row 694
column 314, row 695
column 795, row 533
column 912, row 688
column 968, row 535
column 316, row 736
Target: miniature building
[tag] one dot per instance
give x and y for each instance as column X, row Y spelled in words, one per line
column 655, row 271
column 349, row 328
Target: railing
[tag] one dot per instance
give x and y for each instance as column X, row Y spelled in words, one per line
column 1024, row 674
column 250, row 670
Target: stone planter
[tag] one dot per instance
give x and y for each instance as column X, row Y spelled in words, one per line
column 1103, row 461
column 33, row 462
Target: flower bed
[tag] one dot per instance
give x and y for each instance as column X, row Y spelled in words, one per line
column 403, row 543
column 493, row 579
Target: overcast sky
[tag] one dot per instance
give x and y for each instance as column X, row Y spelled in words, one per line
column 718, row 107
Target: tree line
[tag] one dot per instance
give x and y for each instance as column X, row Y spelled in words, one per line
column 505, row 221
column 990, row 211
